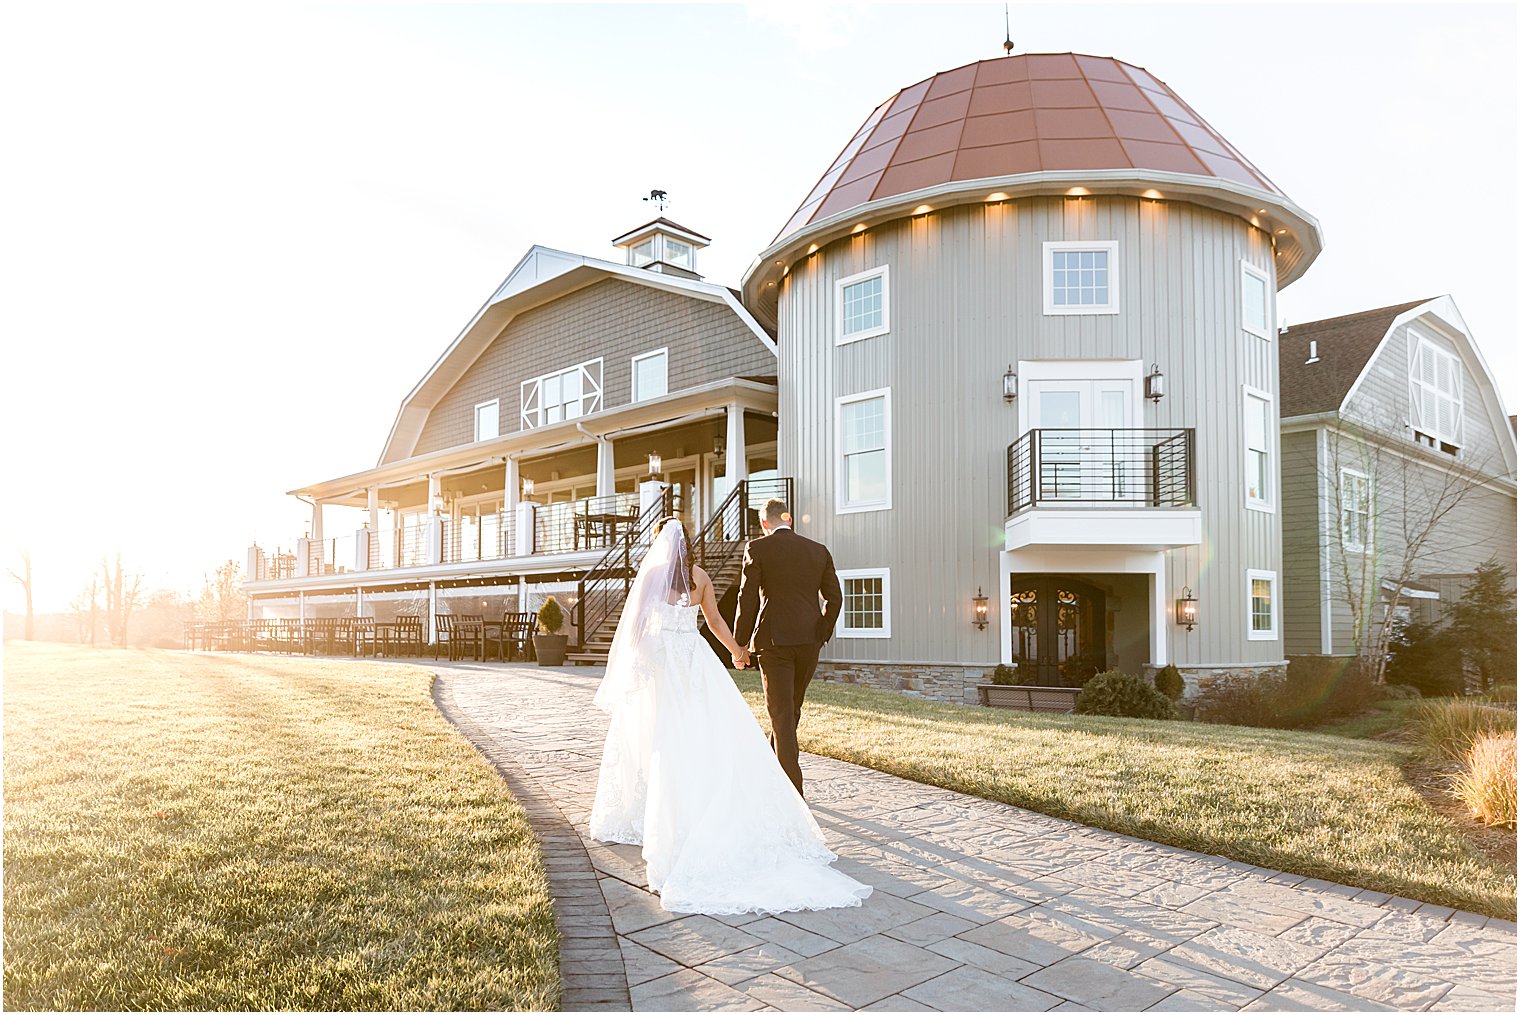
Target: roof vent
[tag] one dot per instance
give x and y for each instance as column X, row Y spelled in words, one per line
column 1313, row 352
column 663, row 246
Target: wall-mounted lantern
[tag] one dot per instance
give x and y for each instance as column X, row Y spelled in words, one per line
column 1155, row 383
column 654, row 463
column 979, row 609
column 1010, row 385
column 527, row 486
column 1187, row 609
column 719, row 448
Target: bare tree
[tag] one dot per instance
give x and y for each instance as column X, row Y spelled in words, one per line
column 1399, row 498
column 85, row 609
column 123, row 594
column 222, row 597
column 24, row 578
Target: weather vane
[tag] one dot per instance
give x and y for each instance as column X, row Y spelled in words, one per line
column 1007, row 33
column 660, row 199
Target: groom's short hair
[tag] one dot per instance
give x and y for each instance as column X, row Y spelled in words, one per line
column 775, row 511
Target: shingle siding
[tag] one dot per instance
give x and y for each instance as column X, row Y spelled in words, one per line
column 615, row 320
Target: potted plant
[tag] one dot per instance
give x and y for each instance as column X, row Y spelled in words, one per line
column 548, row 644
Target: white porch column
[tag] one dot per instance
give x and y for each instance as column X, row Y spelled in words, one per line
column 373, row 495
column 434, row 549
column 1161, row 614
column 734, row 463
column 650, row 492
column 432, row 627
column 525, row 540
column 513, row 489
column 301, row 606
column 606, row 480
column 316, row 520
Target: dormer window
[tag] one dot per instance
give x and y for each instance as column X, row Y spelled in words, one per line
column 1435, row 395
column 663, row 246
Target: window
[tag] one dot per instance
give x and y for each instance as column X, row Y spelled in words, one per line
column 488, row 420
column 1259, row 425
column 1261, row 605
column 1356, row 510
column 642, row 253
column 862, row 306
column 1081, row 277
column 677, row 253
column 863, row 457
column 649, row 374
column 1435, row 395
column 867, row 609
column 567, row 394
column 1255, row 302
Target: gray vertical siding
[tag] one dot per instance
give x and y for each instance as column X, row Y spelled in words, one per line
column 966, row 300
column 1307, row 524
column 613, row 319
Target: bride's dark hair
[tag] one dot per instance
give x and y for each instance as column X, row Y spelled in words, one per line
column 686, row 562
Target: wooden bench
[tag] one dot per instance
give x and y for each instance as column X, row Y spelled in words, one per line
column 1029, row 699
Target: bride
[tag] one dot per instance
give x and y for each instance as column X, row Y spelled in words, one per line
column 686, row 772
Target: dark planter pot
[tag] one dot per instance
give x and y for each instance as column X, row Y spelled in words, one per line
column 550, row 648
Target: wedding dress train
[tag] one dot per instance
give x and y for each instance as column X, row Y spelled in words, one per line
column 687, row 774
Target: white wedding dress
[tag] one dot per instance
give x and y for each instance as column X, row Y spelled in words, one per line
column 687, row 773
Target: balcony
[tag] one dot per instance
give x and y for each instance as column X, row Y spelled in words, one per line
column 1116, row 487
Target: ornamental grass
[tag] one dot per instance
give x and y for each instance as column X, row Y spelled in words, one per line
column 1486, row 782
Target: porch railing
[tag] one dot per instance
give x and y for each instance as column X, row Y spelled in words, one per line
column 1135, row 467
column 605, row 585
column 719, row 545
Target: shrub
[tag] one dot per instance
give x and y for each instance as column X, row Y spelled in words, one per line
column 1483, row 624
column 1005, row 675
column 1321, row 689
column 1243, row 701
column 1169, row 681
column 1503, row 694
column 1400, row 692
column 1450, row 726
column 550, row 617
column 1123, row 694
column 1077, row 670
column 1425, row 657
column 1486, row 782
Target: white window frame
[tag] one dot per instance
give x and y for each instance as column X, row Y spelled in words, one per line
column 885, row 631
column 1248, row 270
column 1346, row 544
column 1417, row 386
column 841, row 505
column 633, row 379
column 495, row 406
column 1268, row 503
column 531, row 405
column 1252, row 634
column 881, row 271
column 1048, row 268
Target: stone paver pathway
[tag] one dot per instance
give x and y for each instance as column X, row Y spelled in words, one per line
column 978, row 905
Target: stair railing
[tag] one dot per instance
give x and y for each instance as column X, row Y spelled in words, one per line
column 720, row 543
column 606, row 584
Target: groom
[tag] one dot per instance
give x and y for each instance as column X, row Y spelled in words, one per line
column 784, row 574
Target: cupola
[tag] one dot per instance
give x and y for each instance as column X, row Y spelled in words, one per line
column 663, row 246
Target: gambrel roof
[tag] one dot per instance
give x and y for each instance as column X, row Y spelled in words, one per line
column 543, row 275
column 1346, row 348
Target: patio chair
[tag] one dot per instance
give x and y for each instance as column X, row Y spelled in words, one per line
column 470, row 634
column 443, row 634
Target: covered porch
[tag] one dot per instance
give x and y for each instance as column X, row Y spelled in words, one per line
column 548, row 499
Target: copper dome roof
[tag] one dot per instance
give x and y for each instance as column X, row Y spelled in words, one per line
column 1023, row 114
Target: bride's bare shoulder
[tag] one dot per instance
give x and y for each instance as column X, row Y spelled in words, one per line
column 699, row 577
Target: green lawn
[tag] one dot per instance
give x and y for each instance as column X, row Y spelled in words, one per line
column 215, row 832
column 1315, row 804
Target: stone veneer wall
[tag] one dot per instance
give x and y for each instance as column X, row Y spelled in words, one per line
column 958, row 683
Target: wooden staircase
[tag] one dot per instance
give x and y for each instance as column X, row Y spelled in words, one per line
column 718, row 550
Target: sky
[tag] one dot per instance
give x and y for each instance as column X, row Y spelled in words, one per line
column 236, row 235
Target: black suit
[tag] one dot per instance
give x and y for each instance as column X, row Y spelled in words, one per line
column 784, row 574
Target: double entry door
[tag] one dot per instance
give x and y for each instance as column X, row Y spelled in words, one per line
column 1083, row 454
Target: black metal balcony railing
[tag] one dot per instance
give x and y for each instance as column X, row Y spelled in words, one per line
column 1146, row 468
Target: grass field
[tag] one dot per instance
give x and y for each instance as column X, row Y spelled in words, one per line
column 1315, row 804
column 213, row 832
